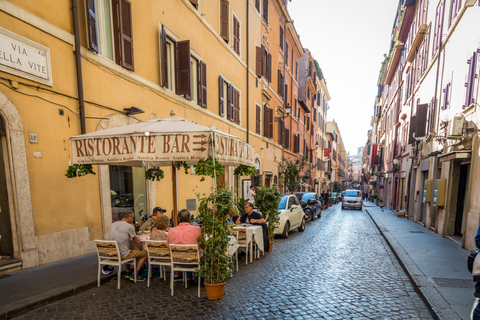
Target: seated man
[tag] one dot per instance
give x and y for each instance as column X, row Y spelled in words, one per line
column 254, row 217
column 122, row 231
column 150, row 222
column 184, row 233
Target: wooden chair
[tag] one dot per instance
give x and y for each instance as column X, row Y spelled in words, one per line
column 242, row 242
column 158, row 255
column 109, row 254
column 185, row 258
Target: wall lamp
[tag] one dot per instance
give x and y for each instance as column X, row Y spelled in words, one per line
column 288, row 109
column 132, row 110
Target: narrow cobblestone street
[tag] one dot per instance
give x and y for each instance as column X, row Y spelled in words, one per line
column 339, row 268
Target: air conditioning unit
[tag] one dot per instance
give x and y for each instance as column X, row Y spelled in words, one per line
column 455, row 127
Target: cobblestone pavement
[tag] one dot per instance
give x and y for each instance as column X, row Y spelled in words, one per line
column 339, row 268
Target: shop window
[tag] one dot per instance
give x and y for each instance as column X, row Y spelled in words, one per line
column 128, row 191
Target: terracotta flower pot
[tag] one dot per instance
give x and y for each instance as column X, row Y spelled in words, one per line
column 215, row 291
column 323, row 207
column 270, row 247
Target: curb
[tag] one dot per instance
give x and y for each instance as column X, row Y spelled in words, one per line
column 23, row 306
column 437, row 305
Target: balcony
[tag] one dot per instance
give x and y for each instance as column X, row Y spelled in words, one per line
column 417, row 41
column 395, row 58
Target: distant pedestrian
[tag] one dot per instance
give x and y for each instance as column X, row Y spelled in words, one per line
column 476, row 311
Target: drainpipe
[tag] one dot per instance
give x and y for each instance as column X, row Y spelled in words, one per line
column 78, row 63
column 248, row 75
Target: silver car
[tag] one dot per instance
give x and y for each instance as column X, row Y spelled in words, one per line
column 352, row 199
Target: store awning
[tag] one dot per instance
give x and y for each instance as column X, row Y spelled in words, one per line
column 455, row 156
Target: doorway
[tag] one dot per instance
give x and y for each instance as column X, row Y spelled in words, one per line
column 6, row 240
column 462, row 191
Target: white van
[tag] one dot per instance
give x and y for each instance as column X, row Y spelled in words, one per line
column 352, row 199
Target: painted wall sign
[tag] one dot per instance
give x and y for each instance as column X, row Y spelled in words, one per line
column 24, row 58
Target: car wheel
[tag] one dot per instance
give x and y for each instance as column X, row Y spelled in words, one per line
column 302, row 226
column 308, row 215
column 286, row 229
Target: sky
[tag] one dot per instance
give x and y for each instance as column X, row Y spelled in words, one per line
column 348, row 38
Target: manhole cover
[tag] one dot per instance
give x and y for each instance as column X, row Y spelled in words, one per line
column 416, row 232
column 454, row 283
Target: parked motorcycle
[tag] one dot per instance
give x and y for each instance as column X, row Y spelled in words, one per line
column 308, row 209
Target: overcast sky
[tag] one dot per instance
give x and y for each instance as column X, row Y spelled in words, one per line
column 348, row 38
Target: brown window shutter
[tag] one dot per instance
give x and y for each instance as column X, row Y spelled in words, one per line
column 126, row 34
column 270, row 120
column 224, row 20
column 236, row 35
column 163, row 53
column 287, row 138
column 279, row 77
column 202, row 84
column 421, row 120
column 265, row 10
column 182, row 67
column 281, row 38
column 92, row 25
column 264, row 61
column 236, row 106
column 220, row 96
column 229, row 102
column 285, row 94
column 265, row 120
column 257, row 119
column 269, row 67
column 258, row 61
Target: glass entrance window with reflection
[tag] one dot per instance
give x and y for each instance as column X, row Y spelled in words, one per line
column 128, row 191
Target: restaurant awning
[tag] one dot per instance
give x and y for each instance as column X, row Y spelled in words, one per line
column 160, row 142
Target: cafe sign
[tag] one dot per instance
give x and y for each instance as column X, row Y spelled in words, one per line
column 161, row 149
column 24, row 58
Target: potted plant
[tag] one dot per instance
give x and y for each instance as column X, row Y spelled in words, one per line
column 330, row 202
column 205, row 167
column 79, row 170
column 380, row 202
column 216, row 264
column 322, row 201
column 266, row 202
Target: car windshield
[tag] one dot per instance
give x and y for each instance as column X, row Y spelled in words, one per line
column 333, row 195
column 305, row 196
column 283, row 203
column 352, row 193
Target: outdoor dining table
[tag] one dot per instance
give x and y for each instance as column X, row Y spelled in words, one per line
column 255, row 232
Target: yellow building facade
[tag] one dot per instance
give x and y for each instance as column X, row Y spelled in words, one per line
column 79, row 67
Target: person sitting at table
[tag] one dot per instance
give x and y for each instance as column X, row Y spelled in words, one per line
column 147, row 225
column 161, row 224
column 122, row 231
column 255, row 218
column 184, row 233
column 233, row 215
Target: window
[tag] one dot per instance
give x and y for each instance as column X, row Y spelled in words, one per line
column 224, row 19
column 296, row 70
column 257, row 5
column 265, row 11
column 236, row 35
column 437, row 39
column 470, row 81
column 263, row 63
column 287, row 138
column 182, row 67
column 118, row 48
column 454, row 9
column 229, row 97
column 258, row 119
column 286, row 53
column 446, row 97
column 281, row 132
column 281, row 83
column 281, row 38
column 202, row 84
column 267, row 121
column 193, row 80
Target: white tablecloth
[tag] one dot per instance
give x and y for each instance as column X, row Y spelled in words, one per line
column 255, row 232
column 232, row 246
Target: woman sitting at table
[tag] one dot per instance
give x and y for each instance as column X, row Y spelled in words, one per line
column 161, row 224
column 232, row 215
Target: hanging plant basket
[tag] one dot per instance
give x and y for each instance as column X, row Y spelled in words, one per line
column 205, row 167
column 182, row 164
column 243, row 170
column 154, row 173
column 79, row 170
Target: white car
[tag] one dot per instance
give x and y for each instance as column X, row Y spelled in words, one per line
column 352, row 199
column 291, row 215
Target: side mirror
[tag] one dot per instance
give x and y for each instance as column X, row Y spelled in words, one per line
column 294, row 206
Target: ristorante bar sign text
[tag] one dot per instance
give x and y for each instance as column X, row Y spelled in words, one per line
column 189, row 147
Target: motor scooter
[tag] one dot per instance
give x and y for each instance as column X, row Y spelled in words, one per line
column 308, row 210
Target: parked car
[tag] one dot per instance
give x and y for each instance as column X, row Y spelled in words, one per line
column 352, row 199
column 312, row 204
column 336, row 196
column 291, row 215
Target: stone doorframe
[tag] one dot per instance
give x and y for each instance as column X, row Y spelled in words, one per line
column 113, row 121
column 18, row 185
